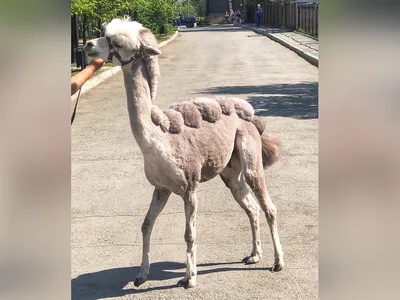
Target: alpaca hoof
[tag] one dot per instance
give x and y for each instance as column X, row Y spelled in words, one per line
column 187, row 283
column 277, row 267
column 140, row 279
column 248, row 260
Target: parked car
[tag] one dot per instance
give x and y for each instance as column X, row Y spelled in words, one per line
column 188, row 21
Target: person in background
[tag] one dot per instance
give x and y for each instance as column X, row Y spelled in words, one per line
column 259, row 12
column 232, row 15
column 79, row 79
column 226, row 17
column 239, row 16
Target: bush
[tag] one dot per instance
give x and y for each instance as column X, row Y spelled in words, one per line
column 154, row 14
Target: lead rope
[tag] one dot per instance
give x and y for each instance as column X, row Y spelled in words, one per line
column 76, row 105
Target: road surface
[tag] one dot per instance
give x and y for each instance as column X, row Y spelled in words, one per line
column 110, row 194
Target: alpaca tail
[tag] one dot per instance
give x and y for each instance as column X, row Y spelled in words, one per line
column 271, row 145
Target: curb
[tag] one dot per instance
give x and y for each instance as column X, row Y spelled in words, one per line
column 312, row 59
column 164, row 43
column 91, row 83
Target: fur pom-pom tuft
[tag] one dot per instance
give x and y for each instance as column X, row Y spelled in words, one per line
column 271, row 147
column 259, row 123
column 227, row 106
column 175, row 120
column 191, row 115
column 209, row 109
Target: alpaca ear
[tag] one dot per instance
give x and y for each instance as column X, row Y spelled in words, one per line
column 149, row 42
column 150, row 50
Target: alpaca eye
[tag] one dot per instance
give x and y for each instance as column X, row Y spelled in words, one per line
column 116, row 45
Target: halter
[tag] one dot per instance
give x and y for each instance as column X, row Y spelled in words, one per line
column 113, row 52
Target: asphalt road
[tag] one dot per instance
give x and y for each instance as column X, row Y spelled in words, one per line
column 110, row 194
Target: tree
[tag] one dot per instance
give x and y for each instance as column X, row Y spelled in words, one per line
column 154, row 14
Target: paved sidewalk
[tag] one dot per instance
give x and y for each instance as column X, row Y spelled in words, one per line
column 305, row 46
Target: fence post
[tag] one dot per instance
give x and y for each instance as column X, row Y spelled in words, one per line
column 316, row 25
column 270, row 16
column 297, row 17
column 301, row 19
column 313, row 20
column 294, row 16
column 74, row 37
column 264, row 15
column 284, row 14
column 84, row 29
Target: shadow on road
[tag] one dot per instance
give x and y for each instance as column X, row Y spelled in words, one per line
column 110, row 283
column 299, row 101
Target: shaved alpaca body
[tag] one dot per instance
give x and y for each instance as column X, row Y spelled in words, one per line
column 189, row 143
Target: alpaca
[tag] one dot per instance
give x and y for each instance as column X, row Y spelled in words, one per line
column 189, row 143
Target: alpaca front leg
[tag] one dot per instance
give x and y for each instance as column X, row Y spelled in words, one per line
column 190, row 238
column 157, row 204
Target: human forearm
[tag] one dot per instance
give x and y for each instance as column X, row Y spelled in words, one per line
column 79, row 79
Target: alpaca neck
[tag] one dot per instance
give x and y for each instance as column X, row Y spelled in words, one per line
column 139, row 102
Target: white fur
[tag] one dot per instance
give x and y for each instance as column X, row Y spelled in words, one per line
column 125, row 31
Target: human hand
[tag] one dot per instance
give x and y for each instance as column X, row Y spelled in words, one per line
column 97, row 63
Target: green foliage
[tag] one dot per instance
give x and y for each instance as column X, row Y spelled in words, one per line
column 154, row 14
column 106, row 10
column 191, row 7
column 185, row 7
column 83, row 7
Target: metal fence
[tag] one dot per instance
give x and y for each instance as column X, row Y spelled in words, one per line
column 292, row 15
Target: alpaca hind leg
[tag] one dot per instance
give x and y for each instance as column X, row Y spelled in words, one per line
column 157, row 204
column 190, row 202
column 233, row 179
column 251, row 158
column 258, row 186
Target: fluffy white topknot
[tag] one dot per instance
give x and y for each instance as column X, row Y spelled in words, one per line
column 125, row 31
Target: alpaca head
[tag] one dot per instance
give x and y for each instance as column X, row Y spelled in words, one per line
column 125, row 39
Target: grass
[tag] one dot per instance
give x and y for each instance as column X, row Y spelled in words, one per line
column 162, row 38
column 304, row 32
